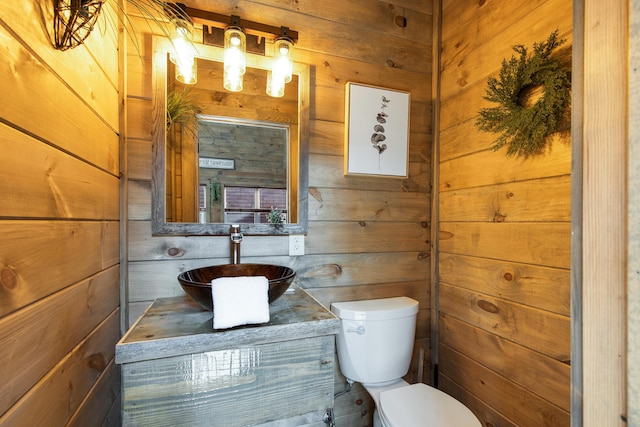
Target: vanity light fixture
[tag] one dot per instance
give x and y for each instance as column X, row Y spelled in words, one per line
column 237, row 37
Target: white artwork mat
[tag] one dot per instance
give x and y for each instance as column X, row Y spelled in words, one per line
column 377, row 131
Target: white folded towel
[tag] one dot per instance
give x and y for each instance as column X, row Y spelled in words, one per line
column 240, row 301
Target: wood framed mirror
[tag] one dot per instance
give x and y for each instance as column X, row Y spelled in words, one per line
column 244, row 156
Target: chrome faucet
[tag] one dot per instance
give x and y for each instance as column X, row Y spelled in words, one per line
column 236, row 238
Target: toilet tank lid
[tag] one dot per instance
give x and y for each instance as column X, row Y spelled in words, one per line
column 376, row 309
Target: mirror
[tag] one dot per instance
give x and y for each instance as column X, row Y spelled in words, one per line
column 243, row 157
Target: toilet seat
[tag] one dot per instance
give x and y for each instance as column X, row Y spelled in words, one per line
column 419, row 405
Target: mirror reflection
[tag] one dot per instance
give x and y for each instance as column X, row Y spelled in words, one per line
column 233, row 157
column 242, row 171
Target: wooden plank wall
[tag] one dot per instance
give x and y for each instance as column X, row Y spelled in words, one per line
column 368, row 237
column 504, row 230
column 59, row 222
column 633, row 267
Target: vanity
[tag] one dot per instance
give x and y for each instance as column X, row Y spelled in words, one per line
column 178, row 370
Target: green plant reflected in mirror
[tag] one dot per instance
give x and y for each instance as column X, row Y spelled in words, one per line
column 221, row 157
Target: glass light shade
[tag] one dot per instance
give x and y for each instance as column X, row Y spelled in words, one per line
column 182, row 42
column 183, row 53
column 233, row 81
column 187, row 72
column 275, row 84
column 235, row 65
column 282, row 62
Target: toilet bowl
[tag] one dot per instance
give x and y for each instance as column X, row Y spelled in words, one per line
column 375, row 345
column 419, row 405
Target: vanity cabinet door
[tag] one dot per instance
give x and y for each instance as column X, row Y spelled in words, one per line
column 232, row 387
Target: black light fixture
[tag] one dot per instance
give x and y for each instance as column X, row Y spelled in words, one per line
column 73, row 21
column 238, row 36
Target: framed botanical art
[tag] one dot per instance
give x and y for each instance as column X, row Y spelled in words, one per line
column 377, row 131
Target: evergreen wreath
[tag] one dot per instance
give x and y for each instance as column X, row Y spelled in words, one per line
column 524, row 129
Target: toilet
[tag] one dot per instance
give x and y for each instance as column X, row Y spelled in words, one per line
column 375, row 345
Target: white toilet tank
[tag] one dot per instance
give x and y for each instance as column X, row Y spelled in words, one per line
column 375, row 343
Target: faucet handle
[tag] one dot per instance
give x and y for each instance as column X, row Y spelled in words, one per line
column 234, row 231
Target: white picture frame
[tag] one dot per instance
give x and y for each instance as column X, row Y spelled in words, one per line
column 376, row 131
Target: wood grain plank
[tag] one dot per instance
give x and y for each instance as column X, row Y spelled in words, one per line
column 392, row 47
column 532, row 285
column 91, row 70
column 542, row 375
column 103, row 403
column 139, row 159
column 545, row 244
column 486, row 414
column 545, row 199
column 515, row 403
column 604, row 216
column 328, row 172
column 28, row 251
column 199, row 247
column 471, row 171
column 89, row 138
column 541, row 331
column 363, row 236
column 159, row 279
column 368, row 206
column 58, row 185
column 71, row 379
column 471, row 50
column 41, row 335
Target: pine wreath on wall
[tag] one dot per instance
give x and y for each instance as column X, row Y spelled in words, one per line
column 524, row 128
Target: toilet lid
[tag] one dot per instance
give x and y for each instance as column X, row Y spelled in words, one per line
column 419, row 405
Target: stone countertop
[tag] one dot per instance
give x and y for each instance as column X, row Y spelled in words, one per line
column 178, row 326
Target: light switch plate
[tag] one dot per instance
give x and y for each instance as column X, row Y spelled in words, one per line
column 296, row 244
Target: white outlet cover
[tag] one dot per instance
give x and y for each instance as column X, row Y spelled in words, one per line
column 296, row 244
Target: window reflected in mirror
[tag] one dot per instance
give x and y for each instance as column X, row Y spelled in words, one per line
column 242, row 172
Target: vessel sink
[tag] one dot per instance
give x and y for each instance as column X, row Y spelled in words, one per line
column 197, row 283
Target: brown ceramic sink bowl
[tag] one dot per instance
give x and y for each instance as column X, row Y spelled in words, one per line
column 197, row 283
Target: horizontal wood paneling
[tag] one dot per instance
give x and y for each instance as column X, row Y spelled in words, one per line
column 73, row 377
column 328, row 172
column 533, row 285
column 548, row 378
column 91, row 70
column 29, row 250
column 41, row 335
column 545, row 332
column 27, row 78
column 103, row 403
column 504, row 229
column 155, row 279
column 538, row 243
column 542, row 199
column 472, row 171
column 59, row 218
column 363, row 206
column 58, row 185
column 520, row 406
column 397, row 48
column 493, row 29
